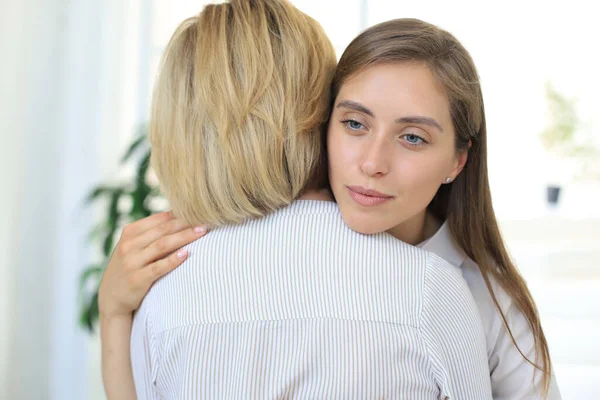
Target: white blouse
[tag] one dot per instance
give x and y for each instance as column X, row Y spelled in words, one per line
column 297, row 305
column 511, row 375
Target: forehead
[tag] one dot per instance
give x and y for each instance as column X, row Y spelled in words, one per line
column 398, row 89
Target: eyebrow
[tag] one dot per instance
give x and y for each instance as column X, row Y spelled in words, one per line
column 352, row 105
column 419, row 120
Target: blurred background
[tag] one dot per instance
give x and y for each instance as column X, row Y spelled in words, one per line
column 75, row 85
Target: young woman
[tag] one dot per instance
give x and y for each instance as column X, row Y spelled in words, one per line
column 407, row 155
column 407, row 118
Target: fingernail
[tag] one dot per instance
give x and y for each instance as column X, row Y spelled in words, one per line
column 200, row 229
column 182, row 254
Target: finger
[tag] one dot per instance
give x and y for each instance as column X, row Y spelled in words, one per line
column 158, row 231
column 168, row 244
column 163, row 266
column 143, row 225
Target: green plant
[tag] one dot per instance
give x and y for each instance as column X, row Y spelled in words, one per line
column 560, row 135
column 125, row 202
column 564, row 136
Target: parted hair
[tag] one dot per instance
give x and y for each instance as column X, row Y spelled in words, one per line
column 240, row 99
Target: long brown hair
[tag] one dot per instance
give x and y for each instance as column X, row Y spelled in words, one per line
column 466, row 203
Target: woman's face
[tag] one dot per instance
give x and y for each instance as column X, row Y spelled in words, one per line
column 391, row 145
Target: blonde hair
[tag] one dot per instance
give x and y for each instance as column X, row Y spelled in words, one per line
column 238, row 106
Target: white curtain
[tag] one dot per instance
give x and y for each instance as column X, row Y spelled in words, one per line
column 70, row 99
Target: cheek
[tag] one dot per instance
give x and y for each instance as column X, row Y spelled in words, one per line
column 421, row 173
column 339, row 150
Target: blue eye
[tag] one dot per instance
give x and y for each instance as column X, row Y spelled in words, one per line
column 414, row 140
column 354, row 125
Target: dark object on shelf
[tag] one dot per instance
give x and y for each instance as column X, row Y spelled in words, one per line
column 552, row 194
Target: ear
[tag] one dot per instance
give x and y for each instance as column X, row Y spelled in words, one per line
column 460, row 162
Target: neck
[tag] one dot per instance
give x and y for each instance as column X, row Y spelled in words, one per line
column 417, row 229
column 321, row 195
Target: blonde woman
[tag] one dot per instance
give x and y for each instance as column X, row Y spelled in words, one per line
column 281, row 299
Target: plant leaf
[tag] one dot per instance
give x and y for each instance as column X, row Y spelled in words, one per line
column 142, row 191
column 143, row 168
column 140, row 141
column 84, row 318
column 100, row 191
column 113, row 221
column 94, row 311
column 96, row 232
column 89, row 313
column 89, row 272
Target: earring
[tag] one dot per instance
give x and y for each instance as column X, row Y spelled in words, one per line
column 448, row 180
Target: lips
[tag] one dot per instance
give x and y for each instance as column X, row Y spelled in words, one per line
column 368, row 192
column 367, row 197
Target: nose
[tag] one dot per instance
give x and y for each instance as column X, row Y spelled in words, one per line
column 375, row 160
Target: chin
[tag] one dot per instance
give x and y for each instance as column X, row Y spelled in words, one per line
column 363, row 226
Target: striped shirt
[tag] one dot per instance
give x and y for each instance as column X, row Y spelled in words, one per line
column 297, row 305
column 512, row 376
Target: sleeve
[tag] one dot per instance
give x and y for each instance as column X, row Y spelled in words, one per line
column 143, row 355
column 513, row 377
column 453, row 333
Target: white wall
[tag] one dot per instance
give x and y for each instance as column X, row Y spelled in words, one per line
column 31, row 106
column 68, row 107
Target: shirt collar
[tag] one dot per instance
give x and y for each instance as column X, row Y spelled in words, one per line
column 443, row 245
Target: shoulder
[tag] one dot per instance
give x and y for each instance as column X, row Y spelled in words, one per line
column 442, row 244
column 452, row 331
column 445, row 288
column 442, row 276
column 483, row 298
column 447, row 298
column 511, row 375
